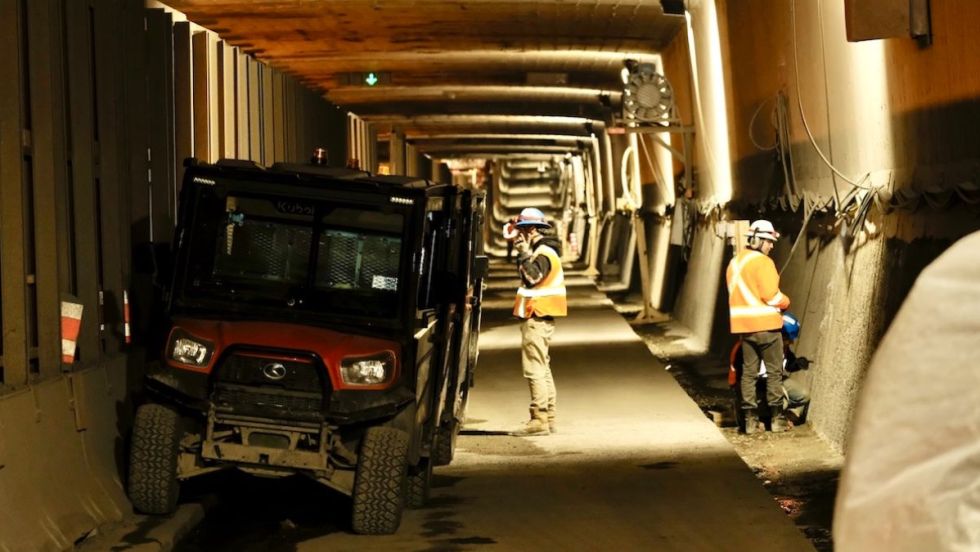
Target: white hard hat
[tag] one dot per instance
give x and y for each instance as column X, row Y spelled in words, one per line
column 532, row 216
column 762, row 229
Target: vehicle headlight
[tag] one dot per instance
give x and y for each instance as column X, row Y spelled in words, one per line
column 187, row 349
column 368, row 370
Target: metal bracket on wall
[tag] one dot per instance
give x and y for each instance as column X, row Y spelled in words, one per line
column 686, row 131
column 920, row 22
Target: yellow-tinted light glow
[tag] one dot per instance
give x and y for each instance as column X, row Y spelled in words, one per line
column 709, row 94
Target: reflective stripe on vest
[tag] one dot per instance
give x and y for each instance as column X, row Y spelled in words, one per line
column 548, row 297
column 737, row 282
column 748, row 312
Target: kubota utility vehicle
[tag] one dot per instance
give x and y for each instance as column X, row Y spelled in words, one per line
column 321, row 322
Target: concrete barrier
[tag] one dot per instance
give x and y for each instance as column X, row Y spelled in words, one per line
column 61, row 458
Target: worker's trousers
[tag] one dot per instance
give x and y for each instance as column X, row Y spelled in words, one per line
column 535, row 339
column 767, row 347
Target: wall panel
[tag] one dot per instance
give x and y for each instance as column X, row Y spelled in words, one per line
column 13, row 238
column 227, row 137
column 207, row 142
column 278, row 117
column 183, row 99
column 52, row 269
column 160, row 112
column 268, row 116
column 84, row 176
column 133, row 75
column 242, row 105
column 113, row 168
column 254, row 111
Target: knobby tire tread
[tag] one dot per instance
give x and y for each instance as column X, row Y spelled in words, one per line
column 445, row 444
column 419, row 483
column 153, row 486
column 380, row 483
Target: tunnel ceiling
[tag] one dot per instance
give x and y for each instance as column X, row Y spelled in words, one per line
column 531, row 66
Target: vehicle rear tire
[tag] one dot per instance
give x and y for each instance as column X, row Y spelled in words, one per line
column 419, row 483
column 380, row 484
column 445, row 449
column 448, row 432
column 153, row 485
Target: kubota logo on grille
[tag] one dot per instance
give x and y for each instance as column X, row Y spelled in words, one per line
column 274, row 371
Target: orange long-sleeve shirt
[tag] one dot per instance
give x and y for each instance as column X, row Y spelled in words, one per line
column 754, row 300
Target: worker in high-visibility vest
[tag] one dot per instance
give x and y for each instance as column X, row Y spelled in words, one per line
column 540, row 299
column 756, row 304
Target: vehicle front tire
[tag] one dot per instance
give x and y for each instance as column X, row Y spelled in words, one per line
column 153, row 485
column 380, row 484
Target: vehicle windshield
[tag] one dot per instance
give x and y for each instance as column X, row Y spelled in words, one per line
column 305, row 257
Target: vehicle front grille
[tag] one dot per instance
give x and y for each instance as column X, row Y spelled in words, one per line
column 287, row 373
column 270, row 386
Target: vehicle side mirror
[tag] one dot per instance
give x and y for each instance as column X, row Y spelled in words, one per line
column 481, row 267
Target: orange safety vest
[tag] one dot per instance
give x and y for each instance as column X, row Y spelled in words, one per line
column 547, row 298
column 754, row 300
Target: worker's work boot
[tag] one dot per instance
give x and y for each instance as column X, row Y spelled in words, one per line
column 552, row 424
column 751, row 421
column 537, row 425
column 779, row 423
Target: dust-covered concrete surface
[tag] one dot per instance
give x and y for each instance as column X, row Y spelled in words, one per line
column 799, row 468
column 635, row 466
column 139, row 533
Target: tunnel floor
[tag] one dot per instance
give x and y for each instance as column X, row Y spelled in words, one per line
column 799, row 468
column 635, row 466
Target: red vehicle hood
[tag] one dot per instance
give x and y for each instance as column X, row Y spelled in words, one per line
column 331, row 346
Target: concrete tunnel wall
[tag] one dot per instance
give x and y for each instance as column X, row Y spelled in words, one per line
column 93, row 132
column 904, row 115
column 225, row 102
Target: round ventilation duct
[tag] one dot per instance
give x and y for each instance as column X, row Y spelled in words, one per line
column 647, row 95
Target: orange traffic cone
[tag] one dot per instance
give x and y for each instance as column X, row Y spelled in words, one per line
column 71, row 324
column 129, row 336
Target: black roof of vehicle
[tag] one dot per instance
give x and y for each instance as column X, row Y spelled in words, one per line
column 308, row 174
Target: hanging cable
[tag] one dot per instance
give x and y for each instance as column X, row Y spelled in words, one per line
column 755, row 115
column 807, row 213
column 783, row 143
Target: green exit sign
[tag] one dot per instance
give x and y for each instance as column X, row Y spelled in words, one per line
column 367, row 78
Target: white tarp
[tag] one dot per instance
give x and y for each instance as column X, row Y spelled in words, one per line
column 911, row 480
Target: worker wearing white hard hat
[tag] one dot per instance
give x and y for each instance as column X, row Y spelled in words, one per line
column 763, row 230
column 540, row 299
column 755, row 306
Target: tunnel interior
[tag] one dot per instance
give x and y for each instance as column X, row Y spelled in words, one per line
column 649, row 134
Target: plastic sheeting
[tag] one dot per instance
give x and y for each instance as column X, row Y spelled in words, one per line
column 911, row 480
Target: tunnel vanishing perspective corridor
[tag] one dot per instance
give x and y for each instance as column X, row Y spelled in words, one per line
column 254, row 234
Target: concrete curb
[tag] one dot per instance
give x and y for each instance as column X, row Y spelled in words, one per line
column 149, row 533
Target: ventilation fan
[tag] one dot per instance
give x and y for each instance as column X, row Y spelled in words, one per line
column 647, row 95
